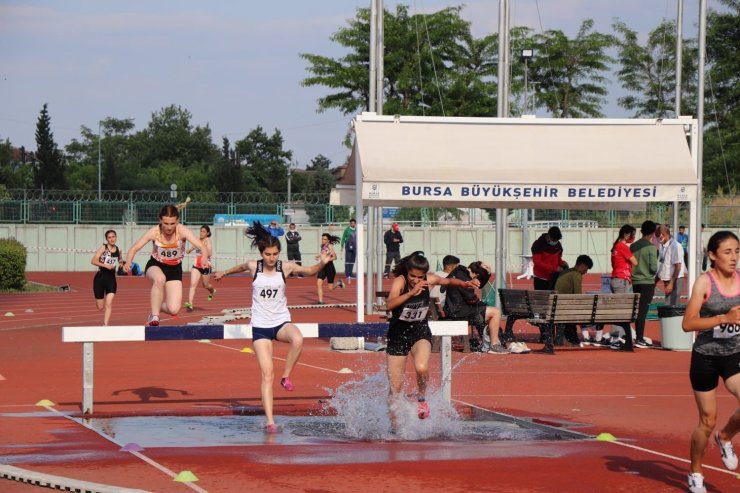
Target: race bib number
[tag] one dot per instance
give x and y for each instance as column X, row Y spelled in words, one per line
column 413, row 313
column 169, row 253
column 726, row 331
column 269, row 294
column 109, row 260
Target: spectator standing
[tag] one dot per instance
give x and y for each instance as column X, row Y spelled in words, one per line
column 349, row 244
column 571, row 282
column 713, row 312
column 622, row 260
column 683, row 239
column 392, row 239
column 292, row 239
column 671, row 275
column 275, row 230
column 547, row 259
column 643, row 277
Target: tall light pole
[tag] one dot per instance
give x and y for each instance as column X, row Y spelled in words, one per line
column 526, row 54
column 99, row 161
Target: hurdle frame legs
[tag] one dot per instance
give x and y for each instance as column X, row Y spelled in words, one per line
column 87, row 377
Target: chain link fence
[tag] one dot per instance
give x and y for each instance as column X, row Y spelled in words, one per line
column 142, row 207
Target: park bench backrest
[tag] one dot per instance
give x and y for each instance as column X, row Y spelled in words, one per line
column 592, row 308
column 524, row 303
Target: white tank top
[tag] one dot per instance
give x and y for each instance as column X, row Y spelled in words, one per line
column 269, row 304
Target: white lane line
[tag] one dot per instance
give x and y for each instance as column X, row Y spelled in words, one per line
column 137, row 454
column 274, row 357
column 591, row 437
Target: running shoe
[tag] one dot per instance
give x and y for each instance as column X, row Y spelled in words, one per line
column 319, row 302
column 600, row 343
column 272, row 428
column 498, row 349
column 153, row 321
column 642, row 343
column 287, row 384
column 211, row 295
column 340, row 284
column 422, row 410
column 728, row 453
column 189, row 306
column 696, row 483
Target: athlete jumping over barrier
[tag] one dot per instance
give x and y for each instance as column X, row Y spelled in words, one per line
column 270, row 316
column 164, row 268
column 409, row 331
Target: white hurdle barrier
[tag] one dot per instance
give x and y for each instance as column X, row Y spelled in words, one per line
column 132, row 333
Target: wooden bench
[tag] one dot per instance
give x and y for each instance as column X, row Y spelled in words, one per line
column 559, row 309
column 522, row 304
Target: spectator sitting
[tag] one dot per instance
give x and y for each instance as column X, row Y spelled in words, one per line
column 449, row 263
column 571, row 282
column 464, row 305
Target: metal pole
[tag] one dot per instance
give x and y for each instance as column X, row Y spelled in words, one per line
column 99, row 161
column 502, row 112
column 679, row 55
column 373, row 52
column 379, row 58
column 696, row 232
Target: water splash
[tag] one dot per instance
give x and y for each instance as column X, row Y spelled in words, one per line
column 362, row 408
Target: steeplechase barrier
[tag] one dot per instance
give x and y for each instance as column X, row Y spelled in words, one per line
column 139, row 333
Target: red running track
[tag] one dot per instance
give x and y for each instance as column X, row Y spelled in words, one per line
column 642, row 398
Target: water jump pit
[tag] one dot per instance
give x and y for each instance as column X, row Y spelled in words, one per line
column 354, row 428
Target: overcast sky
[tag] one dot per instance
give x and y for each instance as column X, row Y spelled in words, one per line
column 233, row 64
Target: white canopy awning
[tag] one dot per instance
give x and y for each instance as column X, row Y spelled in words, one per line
column 519, row 163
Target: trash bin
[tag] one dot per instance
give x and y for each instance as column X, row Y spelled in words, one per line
column 671, row 333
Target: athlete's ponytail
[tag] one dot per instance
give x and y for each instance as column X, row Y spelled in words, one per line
column 261, row 237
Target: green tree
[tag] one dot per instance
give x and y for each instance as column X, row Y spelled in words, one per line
column 171, row 150
column 648, row 72
column 722, row 132
column 15, row 170
column 111, row 146
column 264, row 161
column 49, row 173
column 227, row 172
column 432, row 65
column 571, row 72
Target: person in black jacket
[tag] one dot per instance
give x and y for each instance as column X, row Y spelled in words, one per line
column 392, row 239
column 464, row 305
column 292, row 238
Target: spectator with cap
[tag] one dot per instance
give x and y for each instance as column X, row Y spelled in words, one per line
column 547, row 258
column 275, row 229
column 392, row 239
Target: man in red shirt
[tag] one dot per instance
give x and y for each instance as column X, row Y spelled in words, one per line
column 547, row 258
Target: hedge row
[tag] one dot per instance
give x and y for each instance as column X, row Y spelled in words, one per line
column 12, row 264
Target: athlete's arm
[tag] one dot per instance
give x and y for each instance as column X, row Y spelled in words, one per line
column 96, row 258
column 249, row 266
column 293, row 268
column 145, row 238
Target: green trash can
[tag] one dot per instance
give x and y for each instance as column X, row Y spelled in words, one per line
column 671, row 334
